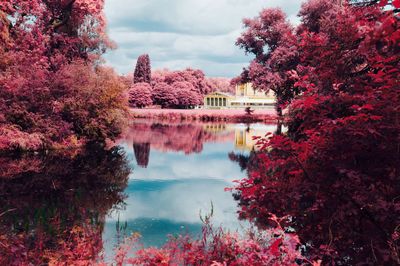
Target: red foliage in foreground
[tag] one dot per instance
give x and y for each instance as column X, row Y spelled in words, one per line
column 218, row 248
column 336, row 172
column 45, row 46
column 79, row 246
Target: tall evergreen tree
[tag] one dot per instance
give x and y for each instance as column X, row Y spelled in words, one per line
column 142, row 70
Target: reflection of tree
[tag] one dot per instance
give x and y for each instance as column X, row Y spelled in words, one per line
column 245, row 161
column 142, row 153
column 188, row 138
column 61, row 194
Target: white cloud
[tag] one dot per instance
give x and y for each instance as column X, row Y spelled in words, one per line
column 184, row 33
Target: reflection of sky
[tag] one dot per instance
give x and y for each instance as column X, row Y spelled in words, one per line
column 212, row 162
column 167, row 196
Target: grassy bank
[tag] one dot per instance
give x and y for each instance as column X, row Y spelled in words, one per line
column 206, row 115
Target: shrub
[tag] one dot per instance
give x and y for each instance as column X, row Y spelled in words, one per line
column 140, row 95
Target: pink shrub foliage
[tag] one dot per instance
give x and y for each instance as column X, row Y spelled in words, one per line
column 140, row 95
column 185, row 88
column 195, row 77
column 164, row 95
column 221, row 84
column 186, row 94
column 188, row 86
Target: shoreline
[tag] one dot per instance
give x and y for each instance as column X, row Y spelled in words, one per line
column 205, row 115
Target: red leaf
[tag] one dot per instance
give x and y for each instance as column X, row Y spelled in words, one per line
column 383, row 2
column 396, row 3
column 275, row 247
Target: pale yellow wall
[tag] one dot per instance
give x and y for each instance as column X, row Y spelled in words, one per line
column 244, row 138
column 247, row 90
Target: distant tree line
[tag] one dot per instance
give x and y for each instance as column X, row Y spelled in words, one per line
column 181, row 89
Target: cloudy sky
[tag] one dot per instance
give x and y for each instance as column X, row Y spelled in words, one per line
column 184, row 33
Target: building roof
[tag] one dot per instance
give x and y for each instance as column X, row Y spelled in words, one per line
column 219, row 93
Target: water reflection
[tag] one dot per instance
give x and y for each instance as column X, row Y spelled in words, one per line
column 185, row 167
column 179, row 169
column 190, row 137
column 182, row 169
column 142, row 153
column 43, row 199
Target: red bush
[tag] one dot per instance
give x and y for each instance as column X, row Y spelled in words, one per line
column 38, row 57
column 336, row 171
column 218, row 248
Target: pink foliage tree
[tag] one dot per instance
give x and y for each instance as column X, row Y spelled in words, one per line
column 140, row 95
column 271, row 39
column 221, row 84
column 186, row 94
column 164, row 95
column 188, row 86
column 195, row 77
column 158, row 76
column 142, row 70
column 39, row 40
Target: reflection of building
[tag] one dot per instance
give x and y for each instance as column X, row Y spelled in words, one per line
column 245, row 96
column 244, row 136
column 215, row 128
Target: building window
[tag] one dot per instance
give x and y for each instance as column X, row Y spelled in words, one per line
column 224, row 100
column 220, row 101
column 208, row 101
column 212, row 101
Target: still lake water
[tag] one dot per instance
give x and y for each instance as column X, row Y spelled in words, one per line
column 179, row 171
column 158, row 179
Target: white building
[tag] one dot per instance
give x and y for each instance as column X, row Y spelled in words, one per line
column 245, row 96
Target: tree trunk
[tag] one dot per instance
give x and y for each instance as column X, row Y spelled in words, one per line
column 279, row 113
